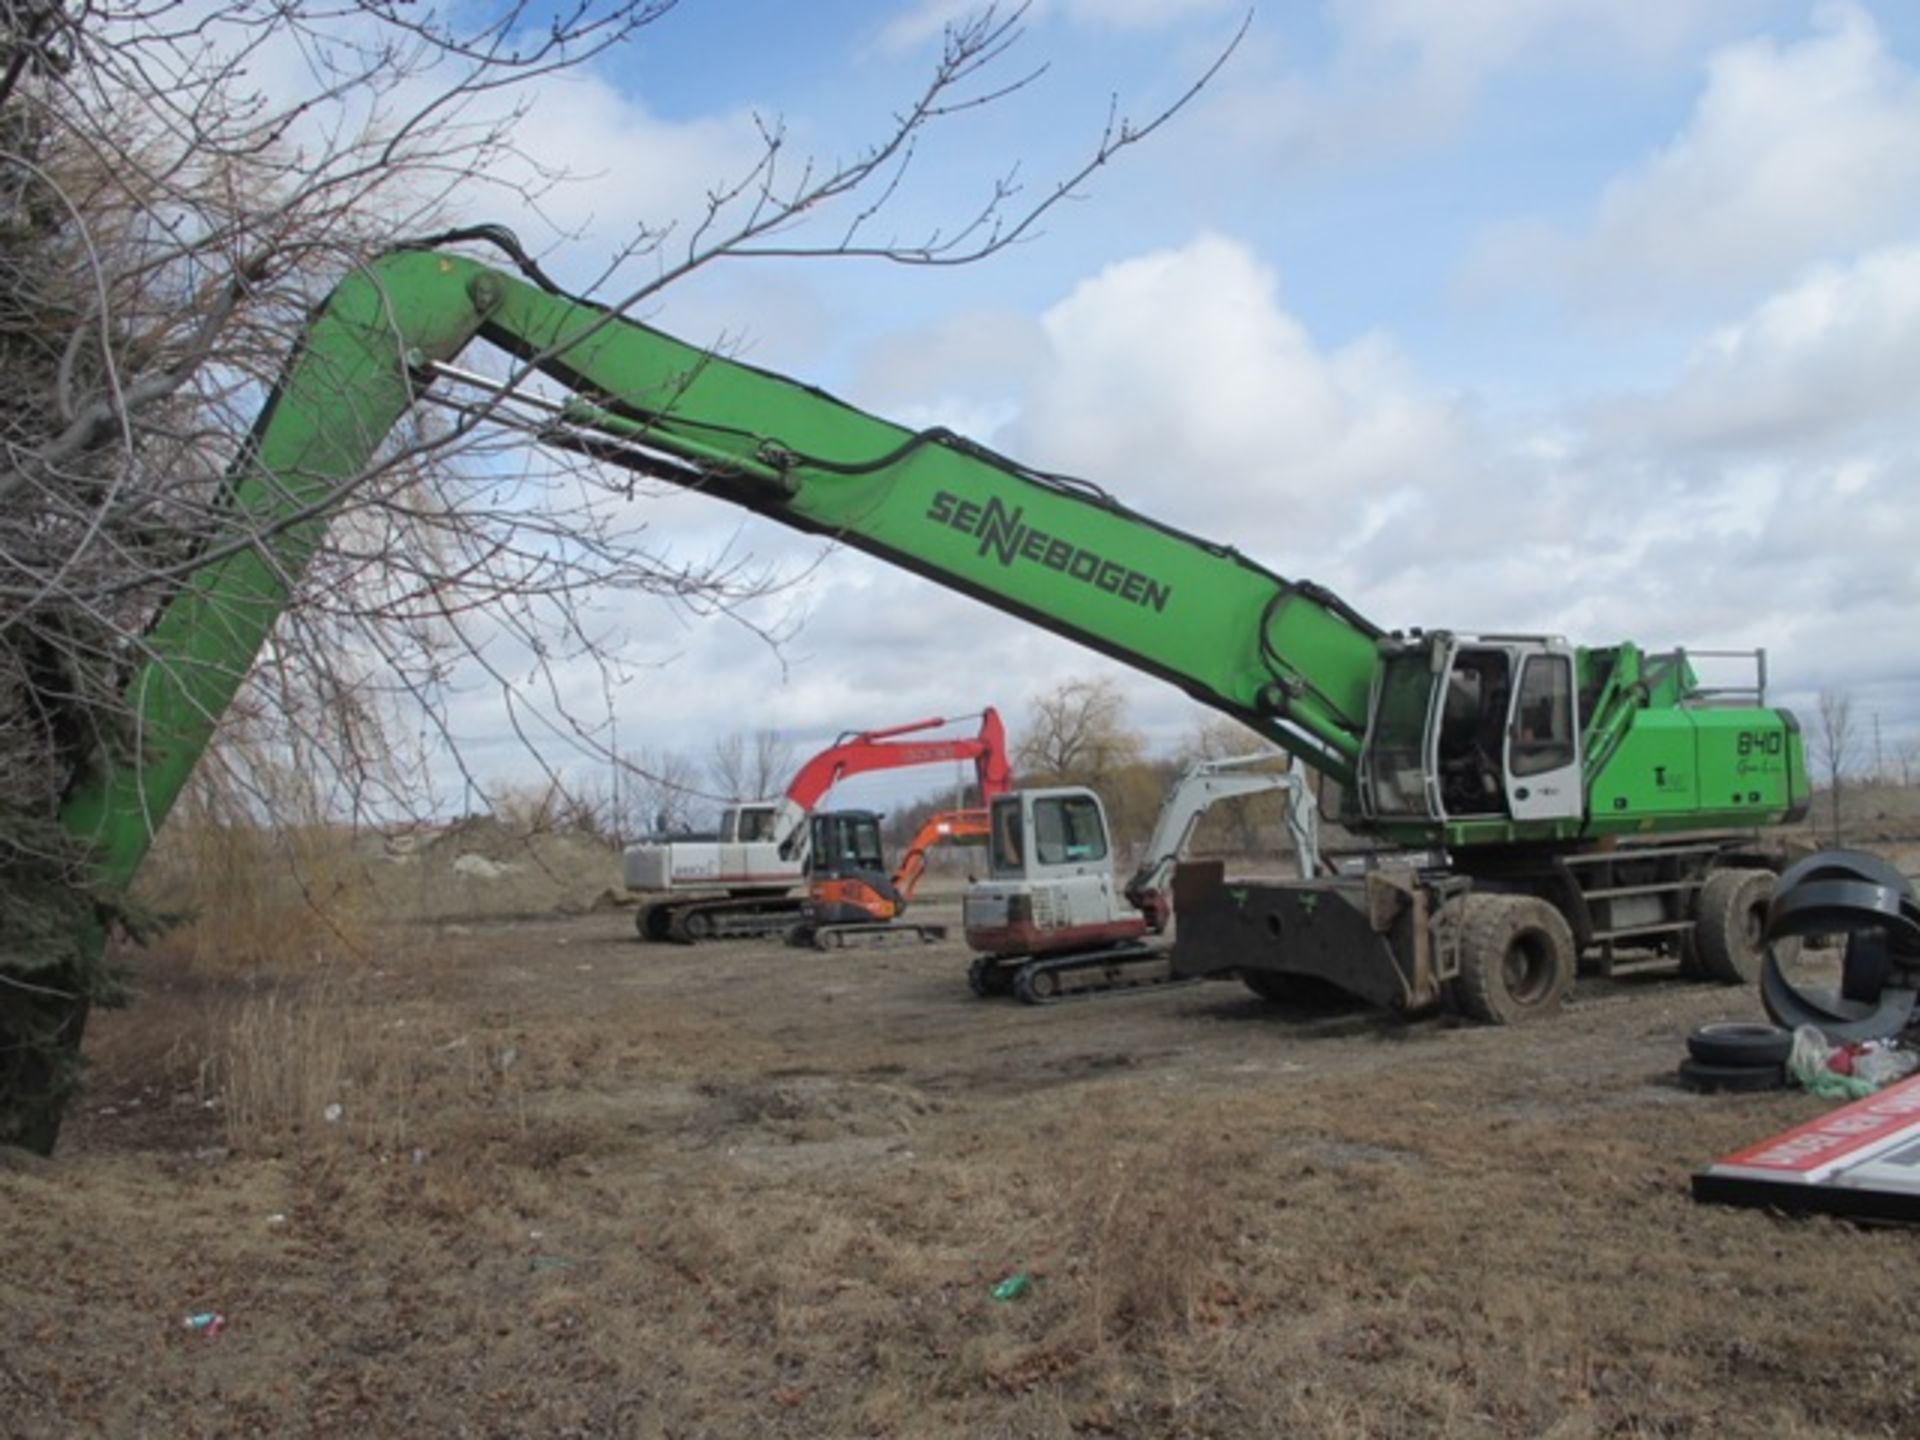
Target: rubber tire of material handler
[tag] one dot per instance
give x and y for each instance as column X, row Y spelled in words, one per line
column 1734, row 1079
column 1732, row 917
column 1740, row 1042
column 1516, row 959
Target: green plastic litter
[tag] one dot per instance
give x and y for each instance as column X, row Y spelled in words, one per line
column 1011, row 1288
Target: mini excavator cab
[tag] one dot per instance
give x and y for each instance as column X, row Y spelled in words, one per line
column 1050, row 882
column 847, row 870
column 1472, row 728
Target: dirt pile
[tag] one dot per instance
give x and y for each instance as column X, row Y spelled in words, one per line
column 481, row 869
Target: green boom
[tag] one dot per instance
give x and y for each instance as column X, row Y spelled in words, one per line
column 1287, row 659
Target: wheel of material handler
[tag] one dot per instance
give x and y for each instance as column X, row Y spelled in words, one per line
column 1516, row 959
column 1730, row 931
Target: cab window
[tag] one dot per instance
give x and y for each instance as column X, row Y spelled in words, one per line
column 1005, row 852
column 1543, row 718
column 1067, row 830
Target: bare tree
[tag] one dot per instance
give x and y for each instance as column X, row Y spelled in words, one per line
column 170, row 223
column 1220, row 737
column 751, row 767
column 1906, row 755
column 1078, row 732
column 660, row 791
column 1834, row 743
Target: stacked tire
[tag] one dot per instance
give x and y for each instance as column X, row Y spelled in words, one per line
column 1736, row 1056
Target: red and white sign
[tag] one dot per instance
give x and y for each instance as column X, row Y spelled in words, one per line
column 1859, row 1159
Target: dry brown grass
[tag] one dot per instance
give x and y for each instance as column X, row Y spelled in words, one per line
column 736, row 1191
column 305, row 1065
column 257, row 896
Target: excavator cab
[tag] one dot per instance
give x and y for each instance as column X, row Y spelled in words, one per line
column 848, row 883
column 1050, row 883
column 1473, row 728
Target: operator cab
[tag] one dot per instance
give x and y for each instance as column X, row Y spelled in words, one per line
column 1050, row 884
column 748, row 824
column 845, row 843
column 1061, row 832
column 1472, row 728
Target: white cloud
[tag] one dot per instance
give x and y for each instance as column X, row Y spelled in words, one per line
column 1406, row 72
column 924, row 20
column 1179, row 381
column 1831, row 356
column 961, row 372
column 638, row 170
column 1452, row 47
column 1792, row 152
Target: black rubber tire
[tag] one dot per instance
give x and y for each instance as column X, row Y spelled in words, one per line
column 1734, row 1079
column 1516, row 959
column 1740, row 1043
column 1730, row 925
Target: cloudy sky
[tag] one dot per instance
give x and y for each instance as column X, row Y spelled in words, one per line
column 1543, row 315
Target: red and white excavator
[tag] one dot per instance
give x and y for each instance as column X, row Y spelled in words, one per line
column 739, row 881
column 1050, row 922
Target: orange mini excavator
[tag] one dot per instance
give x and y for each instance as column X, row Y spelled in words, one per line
column 851, row 899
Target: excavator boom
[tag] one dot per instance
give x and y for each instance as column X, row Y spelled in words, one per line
column 871, row 750
column 947, row 826
column 1286, row 658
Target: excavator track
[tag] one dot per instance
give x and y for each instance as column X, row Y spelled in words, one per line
column 692, row 922
column 878, row 935
column 1057, row 979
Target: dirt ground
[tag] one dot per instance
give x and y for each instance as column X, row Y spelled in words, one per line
column 579, row 1186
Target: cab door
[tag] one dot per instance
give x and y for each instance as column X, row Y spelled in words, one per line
column 1544, row 779
column 1070, row 855
column 748, row 855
